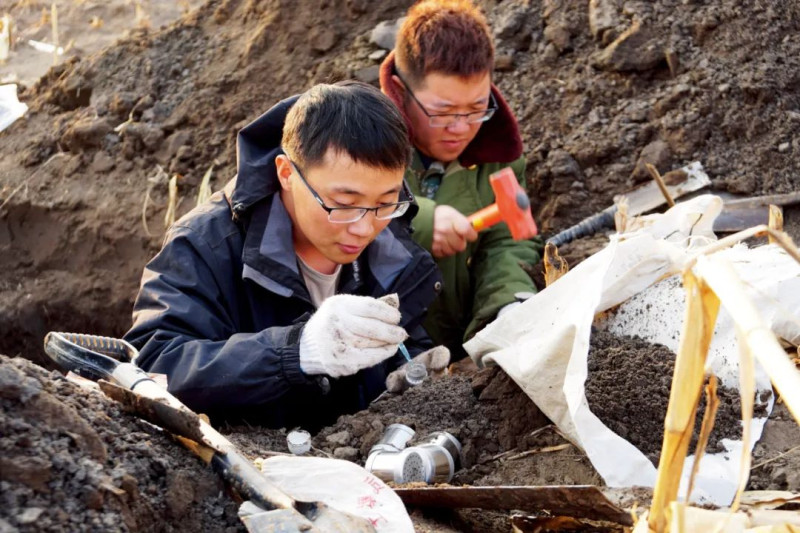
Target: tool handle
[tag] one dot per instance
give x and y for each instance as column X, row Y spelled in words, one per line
column 587, row 226
column 72, row 352
column 116, row 348
column 488, row 216
column 248, row 481
column 76, row 352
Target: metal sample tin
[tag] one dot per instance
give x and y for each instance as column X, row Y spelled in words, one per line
column 394, row 439
column 427, row 463
column 446, row 440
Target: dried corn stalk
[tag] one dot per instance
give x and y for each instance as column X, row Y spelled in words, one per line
column 757, row 335
column 204, row 190
column 172, row 203
column 712, row 405
column 716, row 283
column 54, row 28
column 555, row 266
column 702, row 306
column 5, row 37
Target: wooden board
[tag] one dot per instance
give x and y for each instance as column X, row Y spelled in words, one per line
column 579, row 501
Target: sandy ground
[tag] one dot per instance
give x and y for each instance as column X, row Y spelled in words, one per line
column 83, row 28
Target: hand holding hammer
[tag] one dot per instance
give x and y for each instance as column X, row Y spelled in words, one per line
column 452, row 230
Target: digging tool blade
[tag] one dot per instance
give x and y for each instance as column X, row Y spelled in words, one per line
column 641, row 200
column 177, row 421
column 648, row 197
column 134, row 387
column 741, row 213
column 580, row 501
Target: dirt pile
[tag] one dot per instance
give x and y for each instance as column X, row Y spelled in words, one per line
column 70, row 459
column 597, row 91
column 488, row 413
column 628, row 389
column 71, row 454
column 505, row 440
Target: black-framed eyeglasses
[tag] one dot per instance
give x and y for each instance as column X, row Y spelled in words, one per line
column 444, row 120
column 349, row 214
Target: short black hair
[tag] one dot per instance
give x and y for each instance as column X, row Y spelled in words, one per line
column 352, row 118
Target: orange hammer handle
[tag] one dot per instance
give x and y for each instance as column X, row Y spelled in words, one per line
column 488, row 216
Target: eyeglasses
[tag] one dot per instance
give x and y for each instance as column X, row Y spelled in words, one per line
column 346, row 215
column 447, row 119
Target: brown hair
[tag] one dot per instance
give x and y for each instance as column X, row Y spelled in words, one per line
column 446, row 36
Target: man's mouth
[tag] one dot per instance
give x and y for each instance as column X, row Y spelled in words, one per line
column 453, row 143
column 350, row 249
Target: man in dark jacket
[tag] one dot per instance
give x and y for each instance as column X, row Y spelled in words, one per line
column 277, row 301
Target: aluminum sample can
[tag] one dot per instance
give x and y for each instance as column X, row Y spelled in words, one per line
column 427, row 464
column 446, row 440
column 394, row 439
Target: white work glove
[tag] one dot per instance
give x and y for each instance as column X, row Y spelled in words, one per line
column 521, row 297
column 349, row 333
column 435, row 360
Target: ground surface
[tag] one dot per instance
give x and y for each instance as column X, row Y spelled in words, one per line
column 83, row 28
column 73, row 461
column 629, row 386
column 82, row 205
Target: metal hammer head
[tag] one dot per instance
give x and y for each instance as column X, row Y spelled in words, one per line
column 513, row 204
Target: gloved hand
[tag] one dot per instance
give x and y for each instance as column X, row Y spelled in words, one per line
column 348, row 333
column 520, row 297
column 435, row 360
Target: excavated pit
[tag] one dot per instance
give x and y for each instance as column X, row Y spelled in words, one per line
column 75, row 231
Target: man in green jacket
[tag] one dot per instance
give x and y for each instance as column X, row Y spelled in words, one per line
column 440, row 76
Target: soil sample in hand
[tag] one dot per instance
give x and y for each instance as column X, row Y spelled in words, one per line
column 628, row 389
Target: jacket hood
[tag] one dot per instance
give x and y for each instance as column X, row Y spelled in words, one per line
column 257, row 144
column 498, row 140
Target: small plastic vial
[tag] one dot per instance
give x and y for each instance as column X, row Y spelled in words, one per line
column 299, row 441
column 415, row 373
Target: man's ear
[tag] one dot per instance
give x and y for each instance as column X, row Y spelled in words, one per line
column 399, row 86
column 284, row 171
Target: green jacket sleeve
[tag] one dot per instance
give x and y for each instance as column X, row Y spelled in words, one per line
column 423, row 223
column 497, row 268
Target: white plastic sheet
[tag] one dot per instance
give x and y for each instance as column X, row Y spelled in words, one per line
column 10, row 107
column 543, row 343
column 343, row 485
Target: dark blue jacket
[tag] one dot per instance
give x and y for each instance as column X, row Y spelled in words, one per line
column 222, row 306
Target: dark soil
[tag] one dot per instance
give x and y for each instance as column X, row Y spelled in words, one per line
column 506, row 440
column 488, row 413
column 72, row 460
column 628, row 389
column 774, row 468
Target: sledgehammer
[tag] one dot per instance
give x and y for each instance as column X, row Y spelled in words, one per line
column 512, row 206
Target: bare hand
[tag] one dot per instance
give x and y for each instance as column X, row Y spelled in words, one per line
column 451, row 231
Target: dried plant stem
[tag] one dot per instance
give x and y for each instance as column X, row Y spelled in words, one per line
column 712, row 405
column 660, row 182
column 54, row 26
column 700, row 316
column 767, row 461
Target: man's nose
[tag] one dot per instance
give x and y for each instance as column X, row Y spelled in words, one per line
column 459, row 125
column 364, row 226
